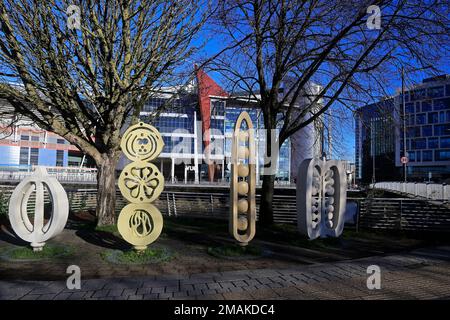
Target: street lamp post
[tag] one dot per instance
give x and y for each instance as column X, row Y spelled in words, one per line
column 372, row 140
column 404, row 124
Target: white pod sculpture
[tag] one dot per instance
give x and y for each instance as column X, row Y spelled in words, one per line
column 38, row 232
column 321, row 198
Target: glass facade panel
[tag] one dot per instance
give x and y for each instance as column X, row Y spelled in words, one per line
column 427, row 155
column 433, row 143
column 433, row 117
column 435, row 92
column 34, row 156
column 59, row 158
column 442, row 155
column 24, row 154
column 217, row 124
column 445, row 142
column 178, row 144
column 418, row 94
column 421, row 118
column 168, row 124
column 441, row 104
column 419, row 144
column 427, row 106
column 413, row 132
column 442, row 130
column 217, row 108
column 427, row 131
column 409, row 107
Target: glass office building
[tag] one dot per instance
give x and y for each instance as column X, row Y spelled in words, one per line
column 427, row 117
column 202, row 116
column 180, row 124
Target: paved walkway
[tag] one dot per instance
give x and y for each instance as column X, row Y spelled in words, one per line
column 420, row 274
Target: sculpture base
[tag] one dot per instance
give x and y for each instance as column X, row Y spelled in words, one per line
column 37, row 246
column 242, row 244
column 140, row 248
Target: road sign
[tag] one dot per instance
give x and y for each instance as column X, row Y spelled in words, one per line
column 404, row 160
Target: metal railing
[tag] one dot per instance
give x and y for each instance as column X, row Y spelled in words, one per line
column 370, row 213
column 89, row 176
column 431, row 191
column 63, row 174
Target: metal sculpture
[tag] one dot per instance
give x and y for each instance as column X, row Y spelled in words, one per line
column 243, row 181
column 41, row 229
column 321, row 198
column 140, row 223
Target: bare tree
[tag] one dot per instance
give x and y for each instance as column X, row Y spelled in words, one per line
column 282, row 46
column 85, row 82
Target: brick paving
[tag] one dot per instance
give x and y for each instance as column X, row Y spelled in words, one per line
column 419, row 274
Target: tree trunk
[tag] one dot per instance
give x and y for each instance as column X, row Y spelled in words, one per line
column 106, row 194
column 265, row 207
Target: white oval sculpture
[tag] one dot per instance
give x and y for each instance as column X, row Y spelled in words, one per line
column 38, row 232
column 321, row 198
column 242, row 221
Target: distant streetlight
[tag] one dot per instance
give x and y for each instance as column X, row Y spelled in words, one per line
column 404, row 115
column 372, row 140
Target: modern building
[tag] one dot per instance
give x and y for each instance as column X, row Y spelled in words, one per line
column 380, row 136
column 201, row 117
column 24, row 145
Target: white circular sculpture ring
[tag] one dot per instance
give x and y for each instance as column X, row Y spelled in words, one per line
column 38, row 232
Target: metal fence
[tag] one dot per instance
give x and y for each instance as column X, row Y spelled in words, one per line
column 371, row 213
column 404, row 214
column 63, row 174
column 89, row 176
column 430, row 191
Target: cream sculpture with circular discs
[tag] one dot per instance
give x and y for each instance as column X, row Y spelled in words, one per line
column 41, row 229
column 243, row 185
column 140, row 223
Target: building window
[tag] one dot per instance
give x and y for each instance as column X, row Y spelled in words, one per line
column 427, row 131
column 433, row 143
column 442, row 155
column 24, row 154
column 59, row 158
column 413, row 132
column 433, row 117
column 442, row 130
column 154, row 104
column 436, row 92
column 25, row 137
column 409, row 107
column 217, row 108
column 441, row 104
column 445, row 142
column 418, row 94
column 35, row 138
column 427, row 106
column 60, row 141
column 427, row 155
column 34, row 156
column 421, row 118
column 419, row 144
